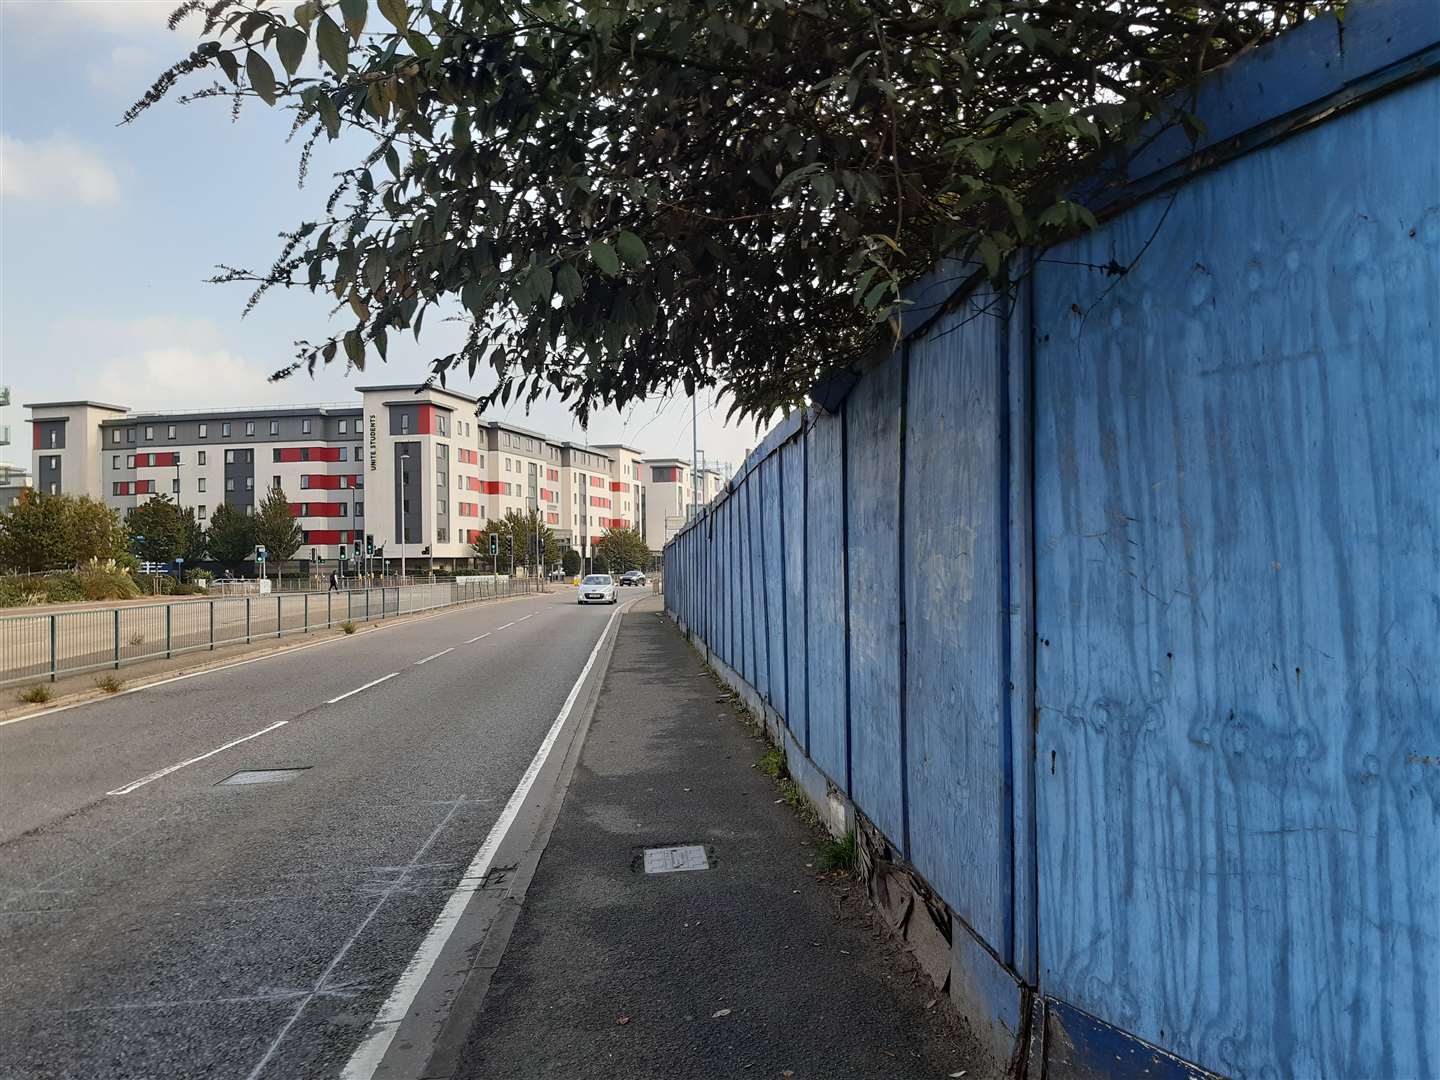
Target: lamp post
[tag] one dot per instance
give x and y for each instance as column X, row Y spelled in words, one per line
column 404, row 518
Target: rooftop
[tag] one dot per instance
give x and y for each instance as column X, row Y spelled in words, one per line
column 76, row 405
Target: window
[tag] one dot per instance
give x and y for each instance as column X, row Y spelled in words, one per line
column 174, row 487
column 201, row 457
column 229, row 483
column 274, row 427
column 341, row 510
column 54, row 488
column 200, row 511
column 249, row 509
column 169, row 431
column 275, row 482
column 115, row 437
column 115, row 461
column 204, row 431
column 129, row 434
column 229, row 457
column 149, row 433
column 129, row 461
column 249, row 483
column 225, row 429
column 507, row 464
column 249, row 457
column 359, row 509
column 249, row 427
column 115, row 488
column 405, row 423
column 344, row 426
column 201, row 483
column 305, row 426
column 53, row 463
column 344, row 453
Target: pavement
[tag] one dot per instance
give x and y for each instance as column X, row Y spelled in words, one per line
column 757, row 967
column 447, row 884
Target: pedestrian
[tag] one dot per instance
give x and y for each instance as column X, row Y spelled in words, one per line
column 334, row 582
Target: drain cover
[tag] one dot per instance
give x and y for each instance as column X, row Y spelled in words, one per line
column 669, row 860
column 263, row 776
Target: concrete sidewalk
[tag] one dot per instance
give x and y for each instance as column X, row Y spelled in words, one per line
column 756, row 967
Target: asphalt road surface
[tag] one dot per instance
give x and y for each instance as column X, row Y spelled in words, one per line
column 156, row 922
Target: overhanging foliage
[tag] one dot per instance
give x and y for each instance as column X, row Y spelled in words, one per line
column 628, row 199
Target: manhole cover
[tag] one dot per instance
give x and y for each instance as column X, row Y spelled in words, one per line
column 669, row 860
column 263, row 776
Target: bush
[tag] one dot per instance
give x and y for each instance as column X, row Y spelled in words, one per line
column 63, row 589
column 109, row 683
column 348, row 626
column 35, row 695
column 20, row 592
column 99, row 584
column 187, row 590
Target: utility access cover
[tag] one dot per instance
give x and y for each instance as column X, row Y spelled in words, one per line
column 669, row 860
column 263, row 776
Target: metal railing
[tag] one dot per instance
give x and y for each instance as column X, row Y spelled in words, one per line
column 48, row 646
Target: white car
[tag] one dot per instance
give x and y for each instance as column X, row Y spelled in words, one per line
column 597, row 589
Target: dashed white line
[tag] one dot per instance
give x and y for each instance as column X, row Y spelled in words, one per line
column 367, row 686
column 506, row 626
column 530, row 616
column 434, row 656
column 477, row 637
column 191, row 761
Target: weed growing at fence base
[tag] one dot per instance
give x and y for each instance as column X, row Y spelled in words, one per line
column 35, row 695
column 772, row 763
column 137, row 639
column 110, row 684
column 838, row 854
column 348, row 626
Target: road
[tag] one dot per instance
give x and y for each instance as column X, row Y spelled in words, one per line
column 158, row 923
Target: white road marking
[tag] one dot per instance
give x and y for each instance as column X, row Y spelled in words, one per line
column 506, row 626
column 172, row 768
column 471, row 641
column 434, row 656
column 371, row 1051
column 367, row 686
column 530, row 616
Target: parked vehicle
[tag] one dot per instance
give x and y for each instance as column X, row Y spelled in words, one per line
column 597, row 589
column 633, row 577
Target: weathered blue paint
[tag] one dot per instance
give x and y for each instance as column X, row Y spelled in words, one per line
column 792, row 509
column 825, row 560
column 1238, row 603
column 1171, row 598
column 873, row 465
column 954, row 625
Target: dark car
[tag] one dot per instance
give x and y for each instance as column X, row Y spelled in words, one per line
column 633, row 577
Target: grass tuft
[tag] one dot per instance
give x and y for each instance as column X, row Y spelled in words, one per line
column 34, row 695
column 348, row 626
column 838, row 854
column 772, row 763
column 110, row 684
column 137, row 639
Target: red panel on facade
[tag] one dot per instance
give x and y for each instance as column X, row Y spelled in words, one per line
column 596, row 500
column 36, row 429
column 552, row 519
column 597, row 481
column 472, row 483
column 618, row 485
column 319, row 480
column 296, row 509
column 290, row 453
column 149, row 461
column 472, row 536
column 326, row 536
column 552, row 474
column 144, row 487
column 492, row 487
column 427, row 419
column 317, row 509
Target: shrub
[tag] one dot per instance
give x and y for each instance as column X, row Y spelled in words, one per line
column 99, row 584
column 63, row 589
column 34, row 695
column 109, row 683
column 348, row 626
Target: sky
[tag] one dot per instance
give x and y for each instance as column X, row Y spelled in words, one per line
column 107, row 235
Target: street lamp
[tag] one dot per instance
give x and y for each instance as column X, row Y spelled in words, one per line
column 404, row 521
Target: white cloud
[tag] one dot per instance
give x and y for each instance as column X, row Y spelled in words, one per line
column 170, row 363
column 55, row 169
column 128, row 17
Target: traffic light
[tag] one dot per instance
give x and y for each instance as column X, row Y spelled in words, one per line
column 357, row 550
column 344, row 553
column 369, row 543
column 494, row 543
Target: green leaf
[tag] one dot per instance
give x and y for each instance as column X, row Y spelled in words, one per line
column 334, row 48
column 632, row 249
column 353, row 12
column 305, row 14
column 541, row 282
column 396, row 12
column 603, row 255
column 262, row 79
column 872, row 298
column 329, row 115
column 824, row 187
column 290, row 44
column 990, row 252
column 230, row 66
column 375, row 270
column 355, row 349
column 569, row 283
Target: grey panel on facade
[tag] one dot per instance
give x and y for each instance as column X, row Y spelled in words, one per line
column 51, row 434
column 409, row 490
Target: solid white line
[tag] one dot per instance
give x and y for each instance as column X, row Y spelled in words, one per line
column 172, row 768
column 371, row 1051
column 471, row 641
column 357, row 689
column 433, row 656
